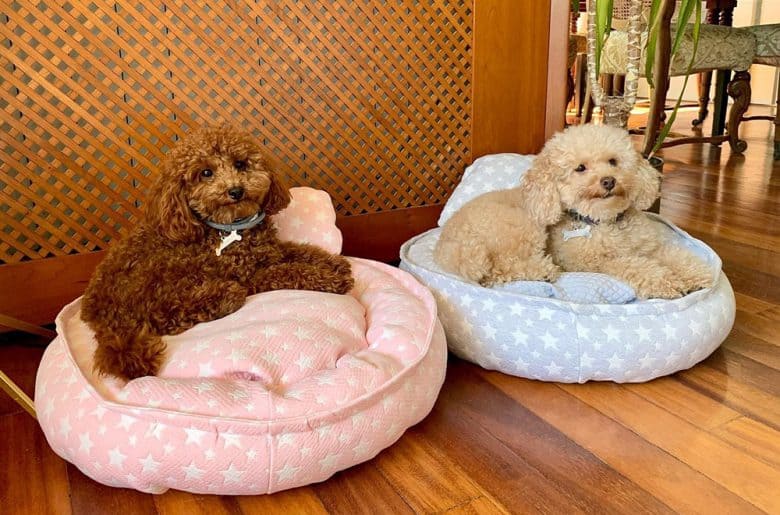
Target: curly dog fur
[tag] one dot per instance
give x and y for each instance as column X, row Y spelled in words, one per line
column 501, row 236
column 166, row 277
column 610, row 183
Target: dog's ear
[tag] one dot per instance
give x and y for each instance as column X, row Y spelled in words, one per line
column 278, row 196
column 169, row 213
column 539, row 191
column 647, row 186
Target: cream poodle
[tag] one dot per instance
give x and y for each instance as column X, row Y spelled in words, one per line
column 604, row 230
column 501, row 236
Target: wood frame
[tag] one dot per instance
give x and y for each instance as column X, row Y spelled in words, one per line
column 519, row 63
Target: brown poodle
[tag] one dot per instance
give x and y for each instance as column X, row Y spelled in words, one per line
column 204, row 245
column 609, row 184
column 501, row 236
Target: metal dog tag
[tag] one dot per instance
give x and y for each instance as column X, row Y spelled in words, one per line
column 227, row 240
column 577, row 233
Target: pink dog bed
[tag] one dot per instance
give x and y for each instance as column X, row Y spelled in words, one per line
column 290, row 389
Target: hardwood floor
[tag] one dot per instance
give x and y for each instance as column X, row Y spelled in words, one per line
column 706, row 440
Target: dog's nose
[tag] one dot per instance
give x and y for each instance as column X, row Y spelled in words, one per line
column 236, row 193
column 608, row 183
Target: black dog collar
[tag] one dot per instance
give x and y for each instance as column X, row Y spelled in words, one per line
column 577, row 217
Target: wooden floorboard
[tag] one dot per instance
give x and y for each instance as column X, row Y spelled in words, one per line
column 705, row 440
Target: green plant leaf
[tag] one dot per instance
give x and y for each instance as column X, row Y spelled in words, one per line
column 695, row 32
column 686, row 8
column 603, row 26
column 652, row 39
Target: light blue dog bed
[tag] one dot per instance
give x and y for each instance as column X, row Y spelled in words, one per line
column 585, row 326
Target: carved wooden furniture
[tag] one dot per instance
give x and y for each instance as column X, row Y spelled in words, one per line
column 719, row 12
column 719, row 48
column 768, row 53
column 381, row 103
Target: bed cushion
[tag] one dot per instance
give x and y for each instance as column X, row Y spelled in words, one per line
column 309, row 218
column 286, row 391
column 570, row 331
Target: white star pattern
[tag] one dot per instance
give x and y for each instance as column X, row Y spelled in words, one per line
column 643, row 333
column 284, row 439
column 65, row 427
column 231, row 474
column 231, row 440
column 586, row 361
column 521, row 364
column 546, row 313
column 149, row 464
column 271, row 357
column 270, row 331
column 286, row 473
column 304, row 362
column 490, row 331
column 237, row 355
column 49, row 407
column 550, row 341
column 612, row 333
column 85, row 443
column 193, row 435
column 125, row 422
column 116, row 458
column 204, row 386
column 155, row 430
column 520, row 337
column 192, row 472
column 302, row 334
column 553, row 369
column 235, row 336
column 646, row 362
column 615, row 362
column 328, row 461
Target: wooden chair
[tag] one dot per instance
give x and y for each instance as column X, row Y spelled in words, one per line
column 719, row 12
column 720, row 48
column 768, row 53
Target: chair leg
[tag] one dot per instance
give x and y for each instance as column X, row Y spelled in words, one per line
column 589, row 105
column 580, row 82
column 705, row 82
column 777, row 124
column 739, row 90
column 569, row 88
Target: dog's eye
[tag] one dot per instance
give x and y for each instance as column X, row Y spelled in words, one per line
column 613, row 162
column 580, row 168
column 240, row 165
column 206, row 173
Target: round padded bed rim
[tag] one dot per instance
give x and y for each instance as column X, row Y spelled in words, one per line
column 277, row 425
column 649, row 307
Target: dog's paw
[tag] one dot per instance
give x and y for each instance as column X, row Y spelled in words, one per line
column 552, row 274
column 138, row 357
column 658, row 289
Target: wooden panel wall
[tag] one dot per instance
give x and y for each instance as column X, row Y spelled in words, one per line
column 382, row 104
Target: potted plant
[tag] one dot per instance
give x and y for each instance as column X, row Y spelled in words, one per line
column 659, row 48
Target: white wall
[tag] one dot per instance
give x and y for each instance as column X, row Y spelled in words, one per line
column 763, row 78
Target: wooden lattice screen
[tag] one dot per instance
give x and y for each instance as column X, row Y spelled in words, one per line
column 380, row 102
column 367, row 100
